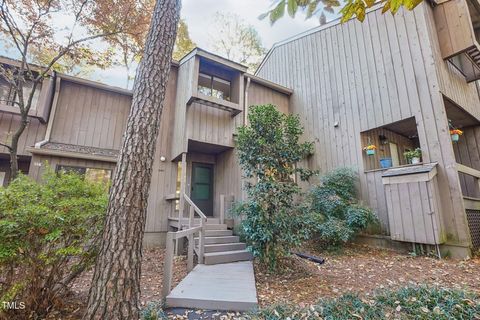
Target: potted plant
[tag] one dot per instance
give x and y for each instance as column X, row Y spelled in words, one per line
column 455, row 134
column 413, row 156
column 370, row 149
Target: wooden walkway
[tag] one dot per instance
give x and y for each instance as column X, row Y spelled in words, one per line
column 229, row 286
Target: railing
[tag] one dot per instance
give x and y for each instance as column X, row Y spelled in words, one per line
column 189, row 233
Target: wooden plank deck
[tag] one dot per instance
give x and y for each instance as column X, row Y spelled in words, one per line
column 229, row 286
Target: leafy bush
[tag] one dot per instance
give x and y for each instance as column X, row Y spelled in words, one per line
column 338, row 214
column 274, row 220
column 48, row 234
column 407, row 303
column 153, row 311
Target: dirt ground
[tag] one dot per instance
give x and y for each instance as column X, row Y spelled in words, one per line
column 357, row 269
column 362, row 270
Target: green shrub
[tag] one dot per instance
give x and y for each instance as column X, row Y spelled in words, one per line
column 407, row 303
column 48, row 234
column 274, row 220
column 153, row 311
column 339, row 216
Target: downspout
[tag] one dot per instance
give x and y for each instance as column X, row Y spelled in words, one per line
column 48, row 133
column 245, row 106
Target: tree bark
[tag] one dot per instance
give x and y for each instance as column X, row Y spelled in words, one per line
column 115, row 289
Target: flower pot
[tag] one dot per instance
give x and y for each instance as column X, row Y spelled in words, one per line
column 455, row 137
column 415, row 160
column 386, row 163
column 230, row 223
column 370, row 152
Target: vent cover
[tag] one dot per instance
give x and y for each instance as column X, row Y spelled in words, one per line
column 473, row 218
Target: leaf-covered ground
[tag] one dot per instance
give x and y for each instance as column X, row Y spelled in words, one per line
column 357, row 269
column 362, row 270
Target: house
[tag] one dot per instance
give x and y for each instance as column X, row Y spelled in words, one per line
column 399, row 82
column 77, row 124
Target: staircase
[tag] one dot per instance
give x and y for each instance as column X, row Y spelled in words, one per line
column 221, row 246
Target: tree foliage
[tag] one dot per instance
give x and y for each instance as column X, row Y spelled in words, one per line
column 237, row 40
column 348, row 9
column 48, row 236
column 183, row 43
column 269, row 149
column 339, row 216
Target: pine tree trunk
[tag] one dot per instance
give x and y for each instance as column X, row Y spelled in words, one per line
column 115, row 290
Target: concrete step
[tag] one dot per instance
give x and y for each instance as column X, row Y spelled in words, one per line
column 225, row 247
column 217, row 240
column 227, row 256
column 218, row 233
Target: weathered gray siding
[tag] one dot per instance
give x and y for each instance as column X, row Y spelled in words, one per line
column 90, row 116
column 367, row 75
column 34, row 132
column 187, row 81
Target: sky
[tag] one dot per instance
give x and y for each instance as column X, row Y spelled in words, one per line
column 199, row 15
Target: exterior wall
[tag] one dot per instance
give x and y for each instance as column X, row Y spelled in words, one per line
column 187, row 81
column 259, row 94
column 467, row 152
column 363, row 76
column 34, row 132
column 89, row 116
column 210, row 125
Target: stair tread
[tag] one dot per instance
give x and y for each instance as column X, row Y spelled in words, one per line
column 223, row 244
column 211, row 254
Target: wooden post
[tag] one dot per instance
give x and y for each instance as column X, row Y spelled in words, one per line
column 191, row 220
column 201, row 240
column 168, row 266
column 222, row 209
column 191, row 241
column 183, row 186
column 191, row 245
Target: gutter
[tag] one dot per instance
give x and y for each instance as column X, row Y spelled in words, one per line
column 245, row 102
column 48, row 133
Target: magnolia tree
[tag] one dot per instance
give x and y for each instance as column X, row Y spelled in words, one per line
column 274, row 221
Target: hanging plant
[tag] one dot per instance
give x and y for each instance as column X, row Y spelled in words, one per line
column 370, row 149
column 455, row 134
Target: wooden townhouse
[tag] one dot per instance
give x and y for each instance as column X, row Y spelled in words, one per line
column 397, row 82
column 77, row 124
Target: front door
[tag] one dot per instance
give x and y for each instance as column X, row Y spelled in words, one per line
column 202, row 187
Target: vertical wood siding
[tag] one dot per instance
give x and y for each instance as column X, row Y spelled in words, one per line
column 90, row 116
column 364, row 76
column 451, row 82
column 467, row 152
column 259, row 94
column 34, row 132
column 186, row 83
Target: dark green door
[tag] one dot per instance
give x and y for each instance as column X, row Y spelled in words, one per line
column 202, row 187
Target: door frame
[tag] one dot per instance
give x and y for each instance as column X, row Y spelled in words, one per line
column 211, row 166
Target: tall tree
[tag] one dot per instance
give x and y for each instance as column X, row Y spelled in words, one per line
column 115, row 289
column 30, row 25
column 348, row 9
column 184, row 43
column 237, row 40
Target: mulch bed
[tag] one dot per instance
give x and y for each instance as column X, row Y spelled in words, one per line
column 357, row 269
column 361, row 270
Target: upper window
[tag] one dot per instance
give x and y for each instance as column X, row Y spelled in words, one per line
column 214, row 86
column 90, row 174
